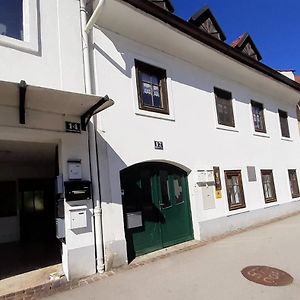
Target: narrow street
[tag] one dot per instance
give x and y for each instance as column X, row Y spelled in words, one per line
column 209, row 272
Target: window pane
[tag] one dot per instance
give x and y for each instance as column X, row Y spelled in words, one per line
column 224, row 107
column 11, row 18
column 294, row 183
column 146, row 77
column 156, row 96
column 268, row 185
column 178, row 188
column 39, row 201
column 234, row 188
column 165, row 191
column 147, row 94
column 283, row 118
column 152, row 88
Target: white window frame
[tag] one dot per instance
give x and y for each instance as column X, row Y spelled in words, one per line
column 30, row 30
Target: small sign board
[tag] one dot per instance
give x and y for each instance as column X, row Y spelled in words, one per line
column 218, row 194
column 73, row 127
column 134, row 220
column 217, row 178
column 158, row 145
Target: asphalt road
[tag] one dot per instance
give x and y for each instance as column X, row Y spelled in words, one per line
column 209, row 272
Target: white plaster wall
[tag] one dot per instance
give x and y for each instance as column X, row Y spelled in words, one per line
column 190, row 133
column 50, row 128
column 58, row 62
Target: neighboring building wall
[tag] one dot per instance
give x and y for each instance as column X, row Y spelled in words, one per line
column 192, row 138
column 54, row 57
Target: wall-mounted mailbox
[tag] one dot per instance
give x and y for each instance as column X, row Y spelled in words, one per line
column 78, row 218
column 77, row 190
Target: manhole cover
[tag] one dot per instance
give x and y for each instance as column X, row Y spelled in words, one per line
column 267, row 276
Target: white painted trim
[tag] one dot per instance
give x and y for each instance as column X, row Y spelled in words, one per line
column 30, row 30
column 227, row 128
column 261, row 134
column 286, row 139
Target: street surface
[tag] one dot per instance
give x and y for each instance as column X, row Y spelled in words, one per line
column 209, row 272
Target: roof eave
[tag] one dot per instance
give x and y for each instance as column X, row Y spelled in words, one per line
column 205, row 38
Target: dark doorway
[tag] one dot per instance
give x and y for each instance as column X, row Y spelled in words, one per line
column 28, row 234
column 156, row 207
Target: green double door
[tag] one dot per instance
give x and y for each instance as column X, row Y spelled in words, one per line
column 156, row 207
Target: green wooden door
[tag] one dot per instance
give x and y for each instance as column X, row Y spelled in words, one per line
column 155, row 197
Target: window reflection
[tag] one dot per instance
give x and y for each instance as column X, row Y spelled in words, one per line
column 11, row 18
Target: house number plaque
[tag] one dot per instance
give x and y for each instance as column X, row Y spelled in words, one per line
column 73, row 127
column 158, row 145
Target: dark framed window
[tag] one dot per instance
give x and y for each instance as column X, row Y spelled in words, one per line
column 11, row 18
column 258, row 116
column 152, row 88
column 224, row 107
column 234, row 187
column 283, row 118
column 8, row 199
column 268, row 185
column 294, row 183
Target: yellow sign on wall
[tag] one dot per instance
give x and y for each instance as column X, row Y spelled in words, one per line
column 218, row 194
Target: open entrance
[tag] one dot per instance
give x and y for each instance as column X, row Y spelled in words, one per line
column 156, row 207
column 27, row 207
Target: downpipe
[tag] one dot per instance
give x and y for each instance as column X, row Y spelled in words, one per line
column 92, row 136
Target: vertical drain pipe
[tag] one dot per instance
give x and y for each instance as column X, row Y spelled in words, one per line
column 92, row 144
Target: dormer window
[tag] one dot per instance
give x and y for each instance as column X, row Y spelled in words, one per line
column 11, row 19
column 205, row 20
column 245, row 44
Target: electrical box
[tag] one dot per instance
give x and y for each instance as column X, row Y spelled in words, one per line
column 78, row 218
column 77, row 190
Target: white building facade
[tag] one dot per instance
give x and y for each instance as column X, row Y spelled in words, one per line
column 202, row 139
column 256, row 159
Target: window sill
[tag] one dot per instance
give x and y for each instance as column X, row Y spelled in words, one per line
column 286, row 139
column 271, row 204
column 237, row 212
column 19, row 44
column 261, row 134
column 227, row 128
column 155, row 115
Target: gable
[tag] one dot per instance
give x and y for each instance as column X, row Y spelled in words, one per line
column 205, row 20
column 165, row 4
column 245, row 44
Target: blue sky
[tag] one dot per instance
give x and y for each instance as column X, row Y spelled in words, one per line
column 274, row 26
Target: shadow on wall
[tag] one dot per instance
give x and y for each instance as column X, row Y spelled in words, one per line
column 184, row 74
